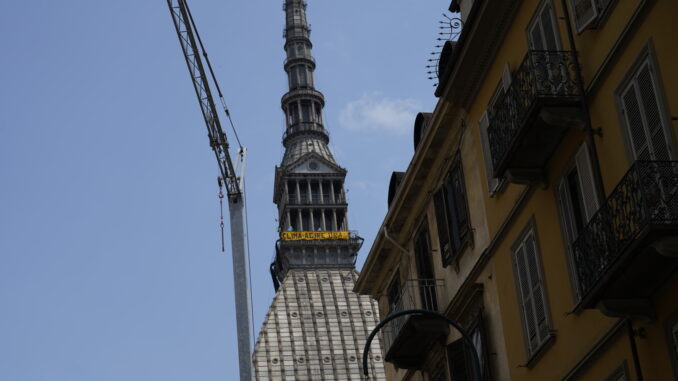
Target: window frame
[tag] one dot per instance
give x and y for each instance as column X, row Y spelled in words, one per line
column 621, row 370
column 601, row 13
column 647, row 55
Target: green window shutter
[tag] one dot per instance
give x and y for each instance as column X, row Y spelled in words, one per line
column 443, row 227
column 493, row 183
column 585, row 12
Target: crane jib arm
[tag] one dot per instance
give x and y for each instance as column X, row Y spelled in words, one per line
column 185, row 27
column 183, row 24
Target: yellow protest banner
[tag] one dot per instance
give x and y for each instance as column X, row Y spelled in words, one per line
column 312, row 236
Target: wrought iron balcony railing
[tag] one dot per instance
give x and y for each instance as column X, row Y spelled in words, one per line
column 416, row 294
column 543, row 77
column 645, row 199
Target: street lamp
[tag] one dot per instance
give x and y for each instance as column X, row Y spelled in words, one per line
column 465, row 336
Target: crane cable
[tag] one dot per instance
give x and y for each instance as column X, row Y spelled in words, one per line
column 214, row 78
column 241, row 152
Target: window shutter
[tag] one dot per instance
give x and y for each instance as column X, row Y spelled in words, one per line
column 674, row 336
column 585, row 12
column 533, row 301
column 634, row 123
column 586, row 182
column 459, row 197
column 654, row 120
column 455, row 237
column 537, row 288
column 565, row 203
column 569, row 226
column 493, row 183
column 443, row 227
column 458, row 361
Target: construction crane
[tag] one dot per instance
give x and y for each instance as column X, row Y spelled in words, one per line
column 232, row 177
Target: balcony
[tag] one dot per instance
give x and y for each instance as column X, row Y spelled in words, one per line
column 630, row 246
column 311, row 128
column 407, row 338
column 530, row 119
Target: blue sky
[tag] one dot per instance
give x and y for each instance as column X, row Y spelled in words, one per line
column 110, row 266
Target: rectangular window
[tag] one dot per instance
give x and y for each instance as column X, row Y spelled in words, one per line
column 588, row 13
column 542, row 33
column 578, row 202
column 394, row 294
column 531, row 292
column 452, row 214
column 643, row 115
column 305, row 111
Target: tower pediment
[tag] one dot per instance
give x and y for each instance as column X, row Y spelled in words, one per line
column 313, row 163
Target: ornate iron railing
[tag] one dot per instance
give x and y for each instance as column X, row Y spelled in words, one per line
column 646, row 196
column 543, row 75
column 306, row 127
column 416, row 294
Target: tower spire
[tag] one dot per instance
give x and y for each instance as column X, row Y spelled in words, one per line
column 302, row 104
column 314, row 267
column 309, row 184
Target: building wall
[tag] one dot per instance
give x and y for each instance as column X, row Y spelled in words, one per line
column 586, row 344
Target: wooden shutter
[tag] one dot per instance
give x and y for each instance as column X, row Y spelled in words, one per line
column 654, row 120
column 565, row 203
column 531, row 289
column 587, row 185
column 459, row 198
column 493, row 183
column 458, row 361
column 634, row 123
column 644, row 119
column 674, row 337
column 585, row 12
column 443, row 227
column 455, row 237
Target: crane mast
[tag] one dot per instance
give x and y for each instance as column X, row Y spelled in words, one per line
column 232, row 176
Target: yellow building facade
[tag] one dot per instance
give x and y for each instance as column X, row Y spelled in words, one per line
column 540, row 208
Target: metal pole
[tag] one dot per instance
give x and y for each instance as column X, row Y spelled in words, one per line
column 464, row 335
column 243, row 310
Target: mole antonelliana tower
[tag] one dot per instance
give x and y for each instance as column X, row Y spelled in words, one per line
column 317, row 326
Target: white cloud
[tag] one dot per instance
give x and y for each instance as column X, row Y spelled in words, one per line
column 375, row 112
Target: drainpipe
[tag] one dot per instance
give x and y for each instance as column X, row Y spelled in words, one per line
column 393, row 241
column 584, row 105
column 634, row 351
